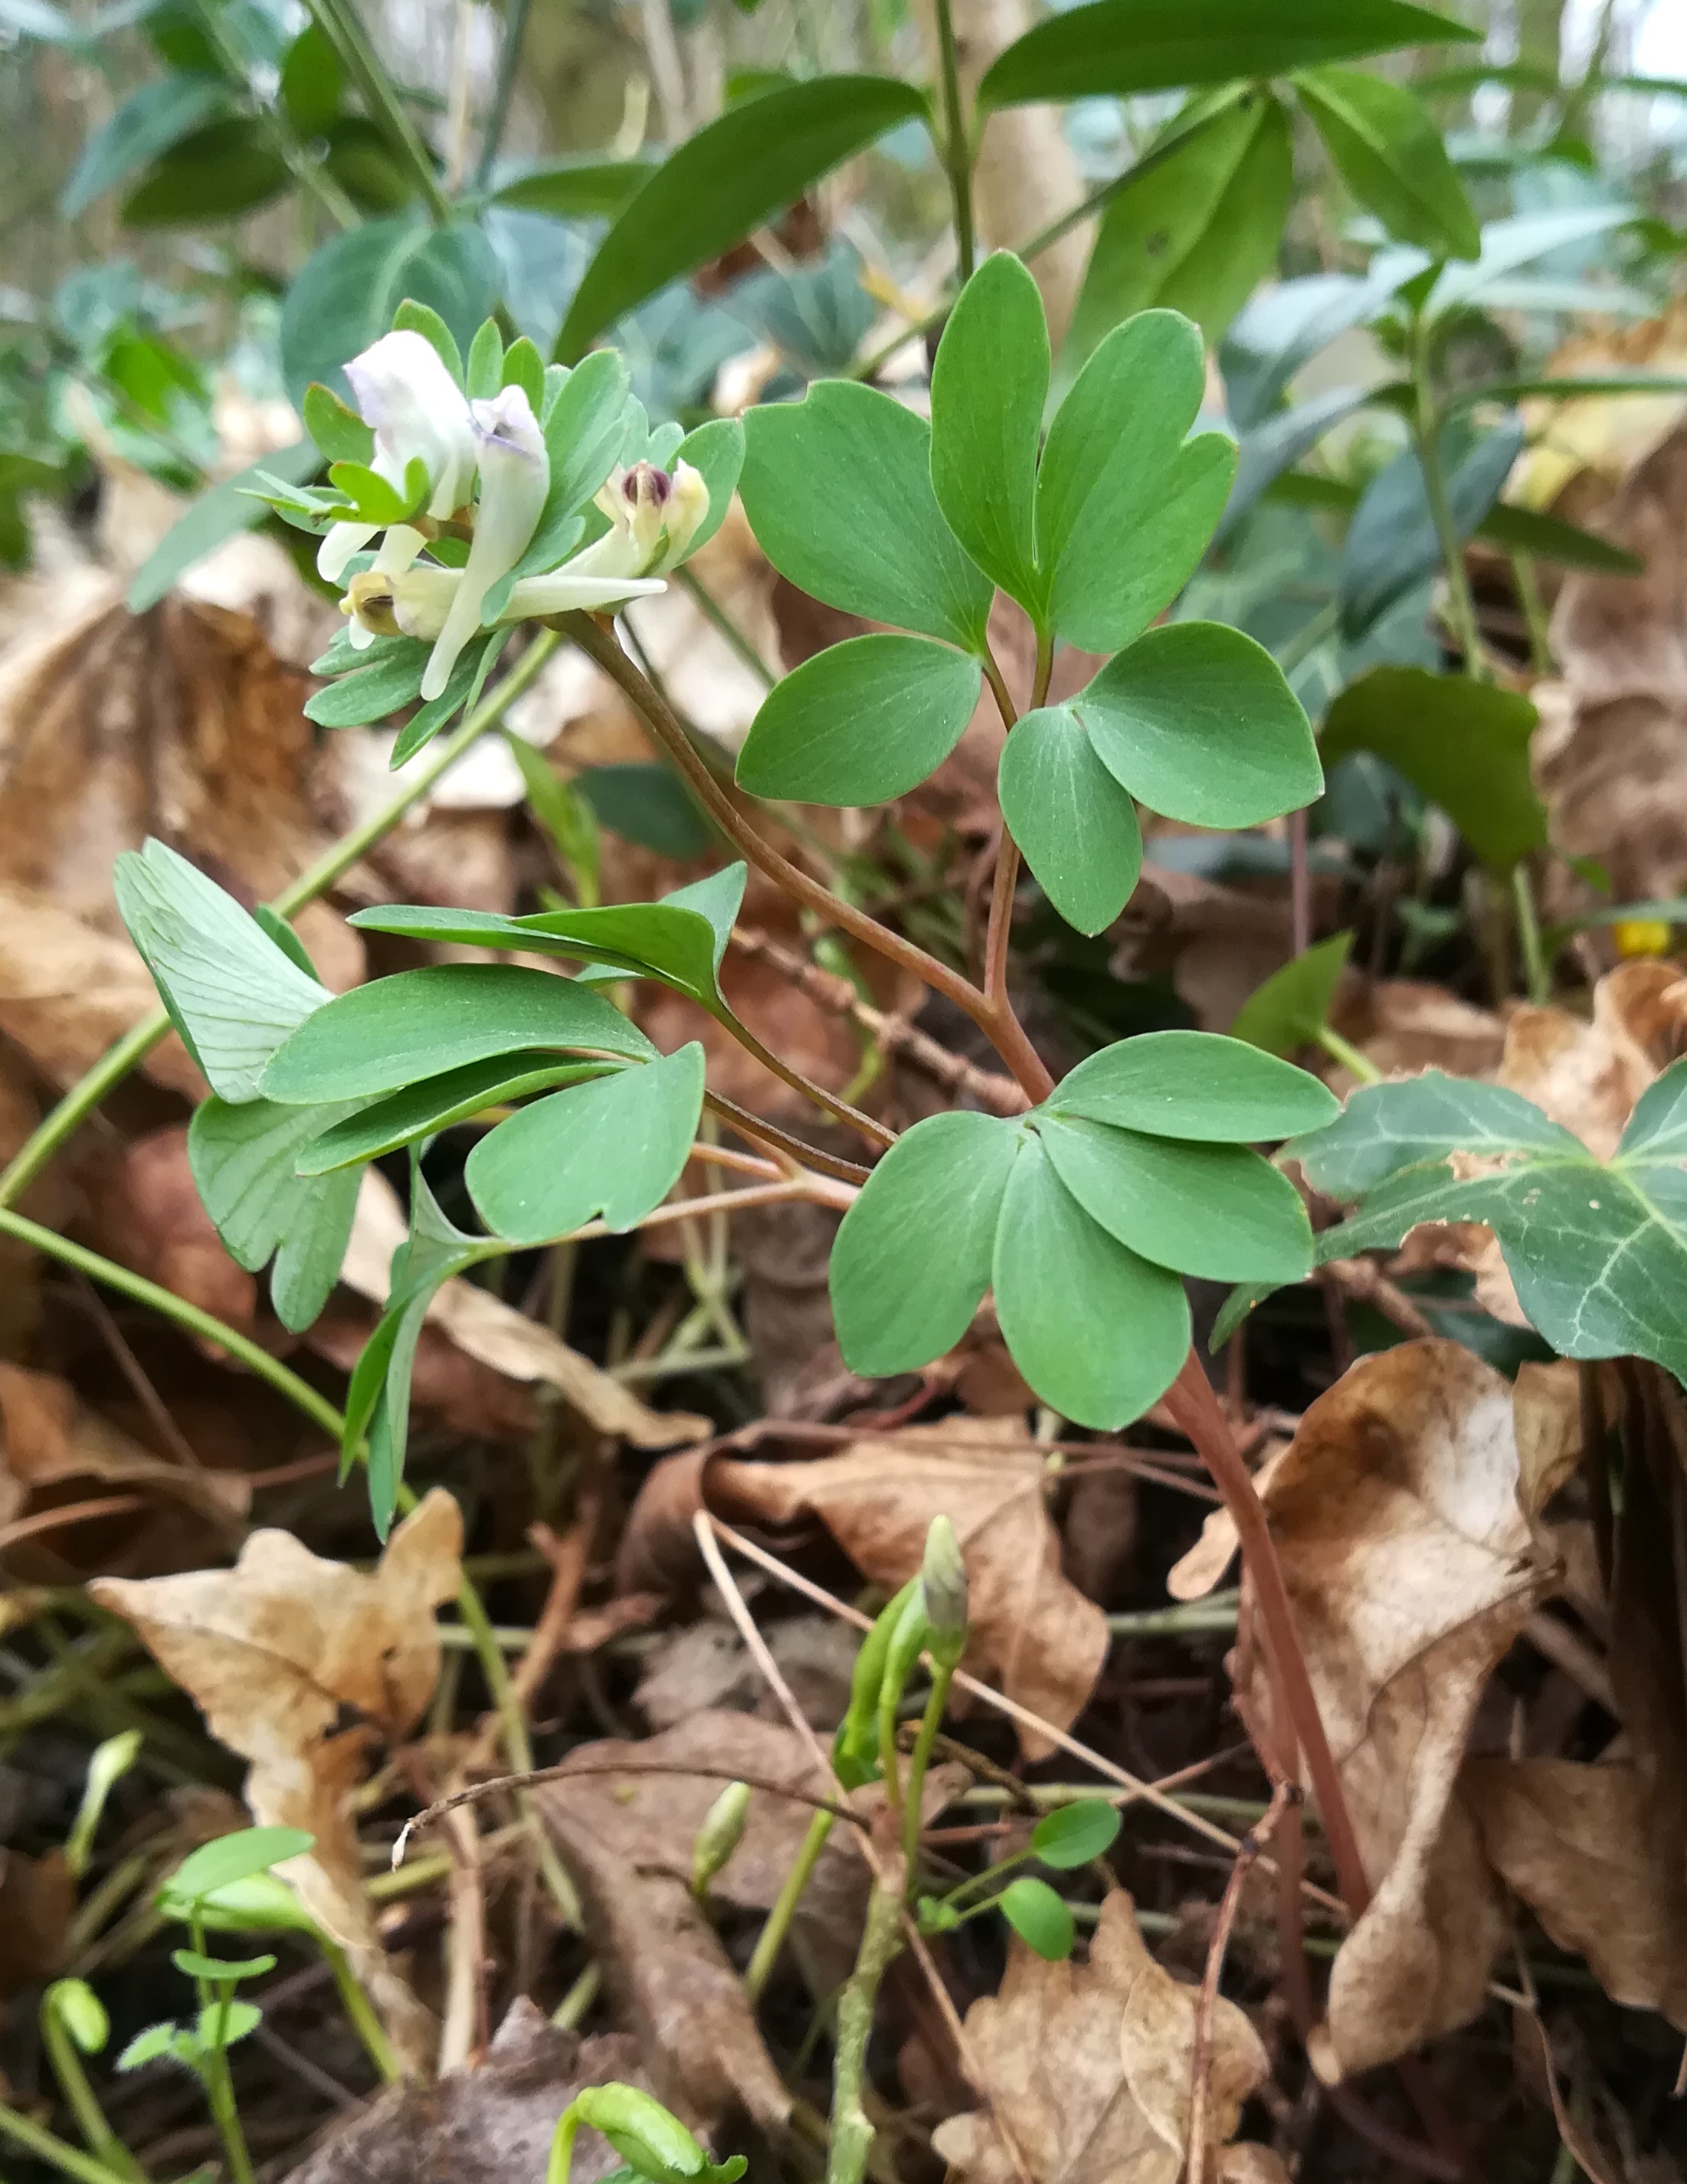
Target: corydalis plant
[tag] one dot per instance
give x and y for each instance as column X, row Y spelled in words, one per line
column 467, row 499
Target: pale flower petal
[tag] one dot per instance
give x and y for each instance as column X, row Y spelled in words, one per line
column 514, row 478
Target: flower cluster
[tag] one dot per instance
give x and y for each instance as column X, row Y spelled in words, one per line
column 481, row 470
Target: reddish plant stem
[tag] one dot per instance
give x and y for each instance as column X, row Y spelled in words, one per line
column 1194, row 1408
column 664, row 725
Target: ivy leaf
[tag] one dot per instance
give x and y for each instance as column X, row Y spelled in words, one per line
column 883, row 550
column 1389, row 153
column 1117, row 47
column 455, row 1096
column 861, row 723
column 231, row 993
column 614, row 1146
column 1125, row 504
column 379, row 1038
column 1077, row 826
column 990, row 383
column 1465, row 744
column 1067, row 1291
column 1196, row 230
column 896, row 1303
column 1196, row 720
column 244, row 1160
column 1194, row 1085
column 1289, row 1010
column 1215, row 1210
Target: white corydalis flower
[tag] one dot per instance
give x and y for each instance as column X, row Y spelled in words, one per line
column 514, row 478
column 415, row 408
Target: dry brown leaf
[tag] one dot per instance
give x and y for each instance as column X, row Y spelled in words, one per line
column 50, row 1437
column 493, row 2124
column 145, row 1211
column 1089, row 2066
column 37, row 1898
column 1589, row 1850
column 494, row 1333
column 1402, row 1025
column 271, row 1651
column 1408, row 1561
column 1031, row 1628
column 1196, row 1573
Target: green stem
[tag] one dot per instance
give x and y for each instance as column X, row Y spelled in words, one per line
column 1426, row 432
column 852, row 2131
column 504, row 91
column 919, row 1760
column 215, row 2074
column 57, row 2151
column 1537, row 970
column 1356, row 1064
column 361, row 2011
column 102, row 2141
column 957, row 152
column 309, row 174
column 132, row 1049
column 338, row 22
column 1535, row 617
column 771, row 1938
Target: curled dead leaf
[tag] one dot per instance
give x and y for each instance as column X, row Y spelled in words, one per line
column 1411, row 1568
column 1090, row 2067
column 51, row 1439
column 272, row 1652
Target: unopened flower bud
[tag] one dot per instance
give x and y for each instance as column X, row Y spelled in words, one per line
column 687, row 505
column 80, row 2010
column 720, row 1836
column 514, row 478
column 943, row 1577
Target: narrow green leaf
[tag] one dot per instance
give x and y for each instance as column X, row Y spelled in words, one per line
column 615, row 1147
column 732, row 177
column 1198, row 722
column 233, row 994
column 1117, row 47
column 1509, row 245
column 147, row 123
column 217, row 172
column 312, row 83
column 861, row 723
column 397, row 1031
column 1465, row 744
column 576, row 189
column 455, row 1096
column 1290, row 1008
column 336, row 427
column 990, row 384
column 1546, row 538
column 231, row 1857
column 1072, row 1835
column 1389, row 153
column 244, row 1162
column 1078, row 828
column 483, row 366
column 1098, row 1332
column 1196, row 232
column 715, row 450
column 1125, row 504
column 1216, row 1210
column 1195, row 1084
column 1039, row 1917
column 838, row 489
column 1392, row 542
column 371, row 693
column 223, row 1970
column 897, row 1304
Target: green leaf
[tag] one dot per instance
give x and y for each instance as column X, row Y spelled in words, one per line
column 1597, row 1250
column 1215, row 1210
column 896, row 1303
column 1389, row 153
column 838, row 489
column 1545, row 537
column 1196, row 230
column 1464, row 744
column 1125, row 504
column 524, row 367
column 1508, row 245
column 1290, row 1008
column 232, row 1858
column 222, row 1970
column 455, row 1096
column 1065, row 1291
column 217, row 172
column 716, row 452
column 336, row 427
column 664, row 940
column 461, row 693
column 1195, row 1084
column 1196, row 720
column 648, row 805
column 989, row 385
column 371, row 693
column 615, row 1147
column 244, row 1160
column 1039, row 1917
column 1121, row 47
column 312, row 83
column 222, row 2023
column 232, row 993
column 576, row 189
column 379, row 1038
column 1072, row 1835
column 861, row 723
column 147, row 123
column 732, row 177
column 483, row 366
column 151, row 2046
column 222, row 512
column 1078, row 828
column 583, row 432
column 1392, row 544
column 347, row 294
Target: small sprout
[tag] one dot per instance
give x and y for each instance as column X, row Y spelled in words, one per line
column 110, row 1762
column 855, row 1750
column 150, row 2046
column 720, row 1836
column 80, row 2010
column 222, row 2023
column 232, row 1858
column 933, row 1916
column 1072, row 1835
column 655, row 2144
column 220, row 1970
column 257, row 1903
column 1038, row 1917
column 942, row 1578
